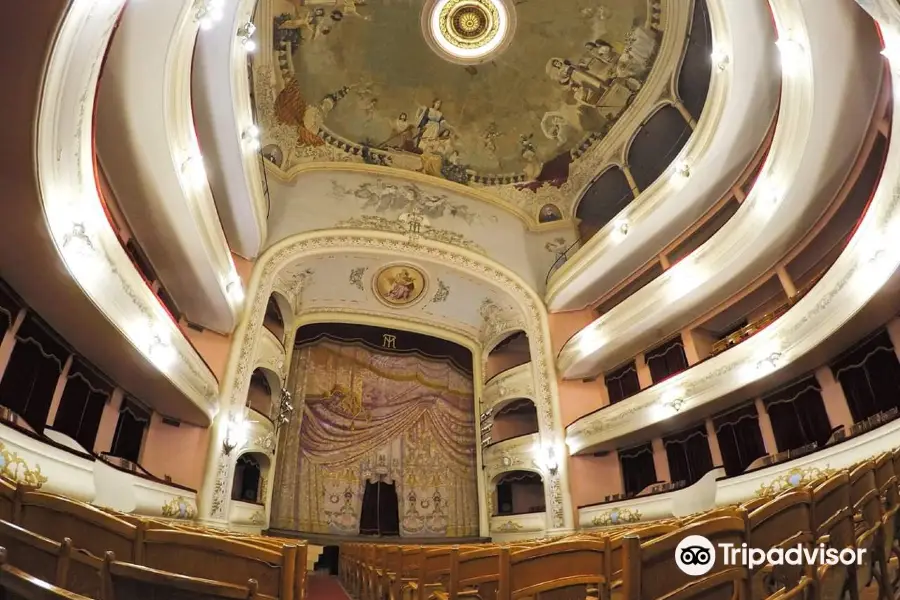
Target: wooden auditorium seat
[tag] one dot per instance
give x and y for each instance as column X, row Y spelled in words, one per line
column 576, row 567
column 89, row 528
column 126, row 581
column 16, row 584
column 211, row 557
column 55, row 562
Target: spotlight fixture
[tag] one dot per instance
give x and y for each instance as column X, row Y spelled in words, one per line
column 209, row 12
column 792, row 54
column 720, row 59
column 251, row 136
column 235, row 434
column 245, row 33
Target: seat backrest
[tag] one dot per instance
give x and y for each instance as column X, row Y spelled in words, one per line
column 8, row 500
column 864, row 493
column 16, row 584
column 832, row 515
column 780, row 519
column 480, row 569
column 218, row 558
column 411, row 560
column 573, row 565
column 125, row 581
column 644, row 534
column 649, row 568
column 89, row 528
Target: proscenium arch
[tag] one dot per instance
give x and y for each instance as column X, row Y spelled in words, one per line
column 315, row 243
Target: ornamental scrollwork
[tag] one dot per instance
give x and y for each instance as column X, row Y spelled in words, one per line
column 179, row 508
column 509, row 527
column 14, row 468
column 793, row 478
column 616, row 516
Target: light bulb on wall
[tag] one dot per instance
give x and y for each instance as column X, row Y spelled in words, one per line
column 235, row 289
column 682, row 169
column 236, row 431
column 793, row 55
column 720, row 59
column 209, row 12
column 251, row 137
column 193, row 172
column 245, row 33
column 620, row 229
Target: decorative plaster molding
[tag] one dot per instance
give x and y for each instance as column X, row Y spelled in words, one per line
column 270, row 355
column 511, row 384
column 288, row 252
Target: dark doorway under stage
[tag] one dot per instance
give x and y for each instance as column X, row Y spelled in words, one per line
column 380, row 514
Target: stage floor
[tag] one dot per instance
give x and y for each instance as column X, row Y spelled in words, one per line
column 324, row 539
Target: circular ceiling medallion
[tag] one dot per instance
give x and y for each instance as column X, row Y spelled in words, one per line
column 468, row 31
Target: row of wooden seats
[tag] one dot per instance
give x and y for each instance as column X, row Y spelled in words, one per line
column 67, row 543
column 852, row 509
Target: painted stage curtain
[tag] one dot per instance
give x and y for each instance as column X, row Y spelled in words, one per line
column 376, row 416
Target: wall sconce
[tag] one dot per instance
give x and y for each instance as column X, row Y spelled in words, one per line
column 720, row 60
column 792, row 55
column 235, row 434
column 620, row 228
column 551, row 463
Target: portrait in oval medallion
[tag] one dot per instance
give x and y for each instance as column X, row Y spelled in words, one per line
column 399, row 285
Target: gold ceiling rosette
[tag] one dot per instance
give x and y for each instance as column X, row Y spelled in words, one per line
column 469, row 23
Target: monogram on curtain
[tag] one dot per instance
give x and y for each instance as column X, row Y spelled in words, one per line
column 376, row 416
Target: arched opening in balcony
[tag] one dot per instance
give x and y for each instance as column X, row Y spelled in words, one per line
column 512, row 351
column 276, row 308
column 519, row 493
column 249, row 479
column 515, row 418
column 606, row 197
column 265, row 389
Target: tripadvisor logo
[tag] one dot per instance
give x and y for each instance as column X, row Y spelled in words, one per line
column 696, row 555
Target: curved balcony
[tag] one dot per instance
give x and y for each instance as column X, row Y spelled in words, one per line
column 512, row 527
column 235, row 167
column 814, row 147
column 513, row 454
column 148, row 146
column 742, row 100
column 511, row 384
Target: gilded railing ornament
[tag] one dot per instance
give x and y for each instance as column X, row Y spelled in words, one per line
column 179, row 507
column 14, row 468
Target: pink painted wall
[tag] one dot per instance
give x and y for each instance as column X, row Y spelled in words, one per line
column 578, row 398
column 511, row 355
column 593, row 478
column 834, row 399
column 243, row 267
column 211, row 346
column 108, row 421
column 512, row 425
column 258, row 399
column 563, row 325
column 177, row 452
column 526, row 496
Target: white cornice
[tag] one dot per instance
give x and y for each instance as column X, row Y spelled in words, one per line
column 76, row 220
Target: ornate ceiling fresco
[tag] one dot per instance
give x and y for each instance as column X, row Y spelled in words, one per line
column 365, row 82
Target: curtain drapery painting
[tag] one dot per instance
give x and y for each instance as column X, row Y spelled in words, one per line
column 371, row 415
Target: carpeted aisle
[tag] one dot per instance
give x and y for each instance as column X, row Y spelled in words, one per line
column 320, row 586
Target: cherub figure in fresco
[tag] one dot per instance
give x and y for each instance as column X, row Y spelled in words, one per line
column 402, row 287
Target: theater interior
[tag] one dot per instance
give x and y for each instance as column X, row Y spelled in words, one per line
column 449, row 299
